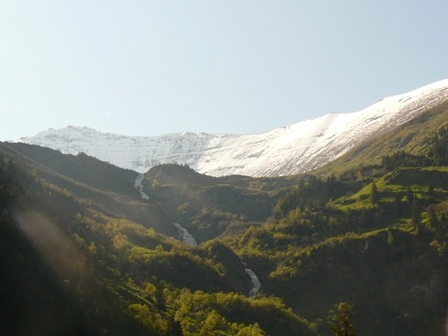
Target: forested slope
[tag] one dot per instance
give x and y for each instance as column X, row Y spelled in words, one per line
column 363, row 240
column 72, row 268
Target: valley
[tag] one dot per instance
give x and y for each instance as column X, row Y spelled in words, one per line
column 88, row 247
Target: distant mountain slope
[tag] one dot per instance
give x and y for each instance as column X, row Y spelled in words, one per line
column 412, row 137
column 284, row 151
column 204, row 205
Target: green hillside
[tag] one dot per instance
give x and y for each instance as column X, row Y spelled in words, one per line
column 411, row 137
column 210, row 206
column 360, row 244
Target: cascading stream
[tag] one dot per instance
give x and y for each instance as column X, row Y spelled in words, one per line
column 185, row 236
column 188, row 239
column 139, row 186
column 255, row 281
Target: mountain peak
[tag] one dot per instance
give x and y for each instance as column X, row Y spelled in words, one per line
column 293, row 149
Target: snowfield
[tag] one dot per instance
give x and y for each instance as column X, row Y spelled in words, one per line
column 294, row 149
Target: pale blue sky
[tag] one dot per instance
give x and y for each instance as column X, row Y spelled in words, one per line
column 234, row 66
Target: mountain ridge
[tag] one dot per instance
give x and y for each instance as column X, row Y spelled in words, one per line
column 314, row 241
column 288, row 150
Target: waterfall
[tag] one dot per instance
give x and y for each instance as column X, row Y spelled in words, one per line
column 255, row 282
column 185, row 236
column 139, row 186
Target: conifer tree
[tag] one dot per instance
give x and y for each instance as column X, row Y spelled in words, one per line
column 341, row 321
column 431, row 193
column 398, row 205
column 409, row 196
column 433, row 220
column 390, row 238
column 416, row 215
column 374, row 195
column 443, row 220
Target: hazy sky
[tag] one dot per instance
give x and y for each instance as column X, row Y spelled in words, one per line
column 230, row 66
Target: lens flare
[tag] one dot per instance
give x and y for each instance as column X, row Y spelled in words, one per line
column 55, row 247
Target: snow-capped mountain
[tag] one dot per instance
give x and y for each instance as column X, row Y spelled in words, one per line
column 293, row 149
